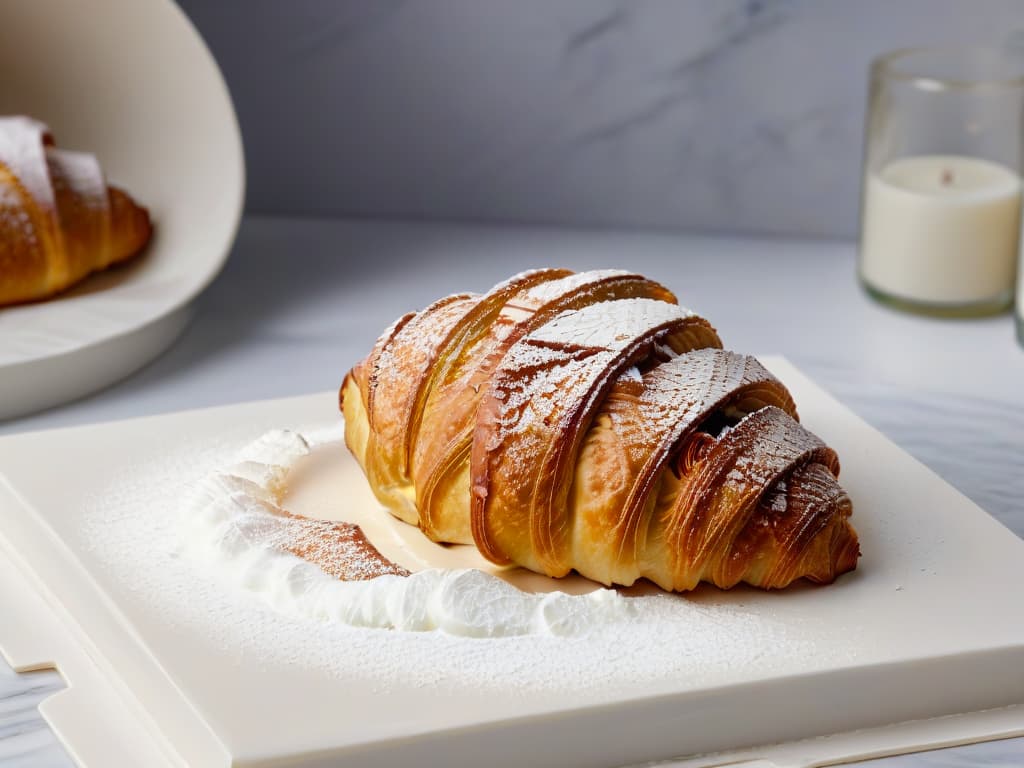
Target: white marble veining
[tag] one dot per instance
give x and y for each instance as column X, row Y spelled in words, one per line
column 733, row 115
column 25, row 740
column 302, row 298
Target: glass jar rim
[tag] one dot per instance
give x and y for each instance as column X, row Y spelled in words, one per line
column 888, row 66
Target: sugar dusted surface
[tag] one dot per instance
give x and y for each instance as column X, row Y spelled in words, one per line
column 547, row 376
column 134, row 529
column 677, row 394
column 23, row 155
column 591, row 326
column 81, row 172
column 558, row 363
column 328, row 571
column 23, row 152
column 421, row 339
column 14, row 217
column 548, row 291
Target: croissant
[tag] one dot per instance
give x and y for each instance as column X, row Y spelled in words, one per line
column 59, row 221
column 587, row 422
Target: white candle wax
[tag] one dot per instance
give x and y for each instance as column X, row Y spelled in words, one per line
column 942, row 229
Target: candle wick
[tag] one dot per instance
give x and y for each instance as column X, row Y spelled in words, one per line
column 947, row 177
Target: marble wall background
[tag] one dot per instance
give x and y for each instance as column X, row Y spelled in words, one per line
column 711, row 115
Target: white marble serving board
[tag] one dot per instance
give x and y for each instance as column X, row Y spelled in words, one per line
column 924, row 628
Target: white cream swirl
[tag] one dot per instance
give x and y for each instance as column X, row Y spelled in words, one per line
column 225, row 527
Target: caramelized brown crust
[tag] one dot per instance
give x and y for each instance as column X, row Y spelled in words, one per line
column 59, row 221
column 538, row 406
column 391, row 374
column 653, row 418
column 449, row 417
column 586, row 422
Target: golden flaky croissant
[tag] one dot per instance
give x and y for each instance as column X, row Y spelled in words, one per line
column 59, row 221
column 587, row 422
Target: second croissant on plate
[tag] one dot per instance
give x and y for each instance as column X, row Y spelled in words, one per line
column 585, row 421
column 59, row 220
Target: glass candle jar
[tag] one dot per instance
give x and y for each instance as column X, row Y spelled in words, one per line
column 941, row 204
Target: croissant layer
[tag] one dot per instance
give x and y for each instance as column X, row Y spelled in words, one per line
column 587, row 422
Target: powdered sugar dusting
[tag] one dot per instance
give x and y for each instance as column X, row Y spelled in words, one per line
column 550, row 375
column 677, row 396
column 23, row 152
column 556, row 364
column 741, row 467
column 133, row 532
column 546, row 292
column 43, row 172
column 762, row 446
column 632, row 375
column 15, row 219
column 678, row 393
column 413, row 348
column 607, row 325
column 400, row 367
column 82, row 174
column 301, row 565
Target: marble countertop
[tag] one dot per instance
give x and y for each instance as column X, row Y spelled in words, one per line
column 301, row 299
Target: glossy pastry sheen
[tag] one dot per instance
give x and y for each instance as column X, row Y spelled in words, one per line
column 587, row 422
column 59, row 221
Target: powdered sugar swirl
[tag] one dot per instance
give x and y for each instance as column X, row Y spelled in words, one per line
column 237, row 526
column 132, row 529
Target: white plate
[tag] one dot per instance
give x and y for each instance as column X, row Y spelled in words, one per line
column 928, row 627
column 132, row 82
